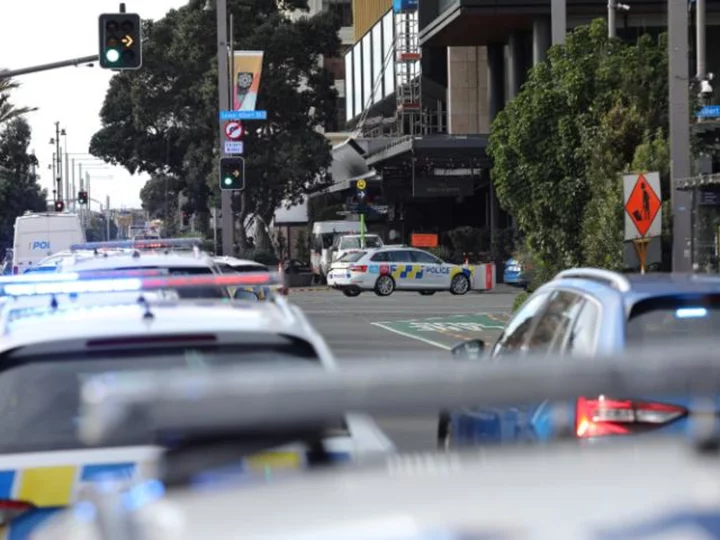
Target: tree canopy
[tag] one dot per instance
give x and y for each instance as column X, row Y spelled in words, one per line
column 163, row 118
column 19, row 189
column 587, row 114
column 8, row 111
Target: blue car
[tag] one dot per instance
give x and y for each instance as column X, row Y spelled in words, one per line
column 513, row 273
column 585, row 313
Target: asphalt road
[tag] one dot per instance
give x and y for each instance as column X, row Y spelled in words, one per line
column 404, row 327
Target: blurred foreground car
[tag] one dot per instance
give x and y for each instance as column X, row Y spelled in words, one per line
column 586, row 313
column 47, row 351
column 666, row 489
column 388, row 269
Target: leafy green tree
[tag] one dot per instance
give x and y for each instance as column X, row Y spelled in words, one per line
column 558, row 148
column 19, row 189
column 163, row 119
column 7, row 110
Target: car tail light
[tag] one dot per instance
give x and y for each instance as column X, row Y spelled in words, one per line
column 606, row 416
column 11, row 510
column 358, row 267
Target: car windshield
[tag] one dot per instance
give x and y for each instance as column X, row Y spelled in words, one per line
column 46, row 418
column 353, row 242
column 352, row 257
column 673, row 318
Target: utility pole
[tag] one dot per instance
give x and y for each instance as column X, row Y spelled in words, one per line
column 700, row 38
column 228, row 218
column 558, row 21
column 107, row 217
column 679, row 102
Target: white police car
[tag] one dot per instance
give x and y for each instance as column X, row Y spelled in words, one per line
column 388, row 269
column 49, row 350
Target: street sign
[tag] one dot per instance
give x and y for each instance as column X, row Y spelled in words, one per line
column 361, row 184
column 234, row 147
column 242, row 115
column 361, row 195
column 234, row 130
column 643, row 205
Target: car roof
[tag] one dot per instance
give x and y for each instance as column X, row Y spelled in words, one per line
column 636, row 287
column 144, row 260
column 174, row 317
column 520, row 492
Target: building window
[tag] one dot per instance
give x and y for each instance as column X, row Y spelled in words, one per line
column 341, row 9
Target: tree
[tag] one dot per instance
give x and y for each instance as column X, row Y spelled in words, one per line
column 19, row 189
column 558, row 148
column 7, row 110
column 163, row 119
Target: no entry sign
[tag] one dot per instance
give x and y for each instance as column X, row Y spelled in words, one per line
column 234, row 130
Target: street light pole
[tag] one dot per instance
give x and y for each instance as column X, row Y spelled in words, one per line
column 679, row 101
column 612, row 23
column 228, row 219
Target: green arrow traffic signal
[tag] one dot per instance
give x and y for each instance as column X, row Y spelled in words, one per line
column 232, row 174
column 120, row 41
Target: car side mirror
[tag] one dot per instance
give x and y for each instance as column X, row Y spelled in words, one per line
column 472, row 349
column 244, row 294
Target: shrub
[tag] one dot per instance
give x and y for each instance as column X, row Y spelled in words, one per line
column 520, row 300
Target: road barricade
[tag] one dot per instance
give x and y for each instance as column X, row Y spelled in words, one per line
column 485, row 278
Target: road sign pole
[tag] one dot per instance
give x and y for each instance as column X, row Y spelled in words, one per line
column 641, row 247
column 228, row 218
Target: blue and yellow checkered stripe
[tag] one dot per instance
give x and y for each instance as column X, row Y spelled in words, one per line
column 408, row 271
column 53, row 487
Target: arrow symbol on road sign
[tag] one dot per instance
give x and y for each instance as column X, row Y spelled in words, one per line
column 127, row 41
column 236, row 173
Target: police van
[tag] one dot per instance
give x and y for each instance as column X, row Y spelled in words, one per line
column 38, row 236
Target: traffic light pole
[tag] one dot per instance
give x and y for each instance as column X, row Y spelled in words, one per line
column 8, row 74
column 228, row 218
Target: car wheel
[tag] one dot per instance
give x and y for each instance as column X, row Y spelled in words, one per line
column 444, row 435
column 460, row 284
column 352, row 293
column 427, row 293
column 384, row 286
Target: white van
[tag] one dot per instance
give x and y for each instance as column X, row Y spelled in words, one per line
column 37, row 236
column 324, row 234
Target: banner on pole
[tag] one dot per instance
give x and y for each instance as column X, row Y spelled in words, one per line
column 247, row 70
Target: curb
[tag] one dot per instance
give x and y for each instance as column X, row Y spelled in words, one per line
column 309, row 289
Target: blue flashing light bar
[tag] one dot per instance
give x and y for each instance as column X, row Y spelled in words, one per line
column 69, row 284
column 55, row 277
column 163, row 243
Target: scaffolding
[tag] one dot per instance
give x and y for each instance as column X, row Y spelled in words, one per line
column 408, row 77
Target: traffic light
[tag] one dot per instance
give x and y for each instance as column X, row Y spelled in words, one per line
column 360, row 192
column 120, row 41
column 232, row 174
column 59, row 206
column 82, row 197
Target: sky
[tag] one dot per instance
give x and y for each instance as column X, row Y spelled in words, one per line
column 39, row 32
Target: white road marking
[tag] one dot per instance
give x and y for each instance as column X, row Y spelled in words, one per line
column 412, row 336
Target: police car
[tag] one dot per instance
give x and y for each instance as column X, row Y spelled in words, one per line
column 388, row 269
column 564, row 491
column 47, row 351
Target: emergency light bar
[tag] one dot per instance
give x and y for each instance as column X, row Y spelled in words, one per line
column 70, row 284
column 55, row 277
column 164, row 243
column 242, row 399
